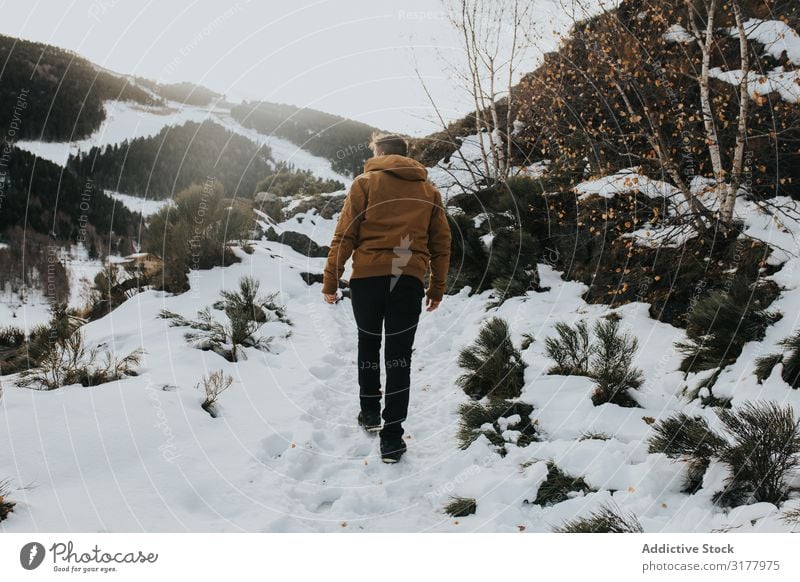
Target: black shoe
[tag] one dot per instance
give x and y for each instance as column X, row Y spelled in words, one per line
column 392, row 450
column 370, row 421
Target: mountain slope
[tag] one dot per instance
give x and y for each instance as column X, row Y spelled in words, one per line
column 162, row 165
column 342, row 141
column 64, row 92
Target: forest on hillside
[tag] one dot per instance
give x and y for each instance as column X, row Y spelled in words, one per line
column 174, row 159
column 186, row 93
column 342, row 141
column 63, row 92
column 41, row 196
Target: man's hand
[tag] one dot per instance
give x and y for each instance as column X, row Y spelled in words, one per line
column 329, row 297
column 431, row 304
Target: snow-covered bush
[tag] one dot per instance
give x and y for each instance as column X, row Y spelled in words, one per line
column 604, row 520
column 246, row 303
column 500, row 421
column 790, row 358
column 689, row 439
column 213, row 385
column 792, row 516
column 719, row 325
column 246, row 312
column 512, row 263
column 760, row 445
column 606, row 358
column 461, row 506
column 70, row 362
column 494, row 366
column 559, row 486
column 6, row 506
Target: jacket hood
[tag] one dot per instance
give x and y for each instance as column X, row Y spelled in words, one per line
column 399, row 166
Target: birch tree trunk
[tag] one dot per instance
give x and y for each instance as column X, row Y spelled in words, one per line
column 729, row 202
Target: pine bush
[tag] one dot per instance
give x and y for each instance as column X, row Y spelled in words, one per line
column 461, row 507
column 790, row 359
column 246, row 312
column 689, row 439
column 558, row 486
column 760, row 445
column 6, row 506
column 492, row 420
column 11, row 336
column 604, row 520
column 720, row 324
column 194, row 233
column 247, row 303
column 611, row 365
column 512, row 263
column 494, row 366
column 762, row 453
column 571, row 350
column 765, row 364
column 605, row 355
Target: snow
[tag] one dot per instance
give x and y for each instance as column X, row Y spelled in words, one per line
column 24, row 313
column 147, row 207
column 311, row 224
column 677, row 33
column 31, row 307
column 785, row 83
column 123, row 121
column 627, row 180
column 778, row 39
column 286, row 453
column 462, row 167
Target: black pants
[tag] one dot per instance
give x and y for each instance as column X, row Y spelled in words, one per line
column 394, row 303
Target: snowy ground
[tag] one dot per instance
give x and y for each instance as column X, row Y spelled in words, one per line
column 34, row 309
column 286, row 454
column 146, row 207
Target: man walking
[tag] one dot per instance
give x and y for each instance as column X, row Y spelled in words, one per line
column 394, row 224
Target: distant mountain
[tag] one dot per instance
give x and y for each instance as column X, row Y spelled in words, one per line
column 176, row 158
column 186, row 93
column 52, row 94
column 41, row 196
column 342, row 141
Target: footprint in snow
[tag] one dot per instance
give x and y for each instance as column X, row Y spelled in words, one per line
column 320, row 372
column 275, row 444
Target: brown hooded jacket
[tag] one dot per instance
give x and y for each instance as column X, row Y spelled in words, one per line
column 393, row 223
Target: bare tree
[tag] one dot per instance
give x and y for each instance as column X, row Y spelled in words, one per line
column 726, row 192
column 494, row 40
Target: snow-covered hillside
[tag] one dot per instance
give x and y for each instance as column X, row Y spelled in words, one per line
column 285, row 454
column 125, row 121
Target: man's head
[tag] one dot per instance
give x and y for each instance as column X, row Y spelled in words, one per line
column 384, row 144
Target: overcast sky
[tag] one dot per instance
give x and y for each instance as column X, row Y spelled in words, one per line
column 350, row 57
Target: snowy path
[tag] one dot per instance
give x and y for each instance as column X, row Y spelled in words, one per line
column 286, row 453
